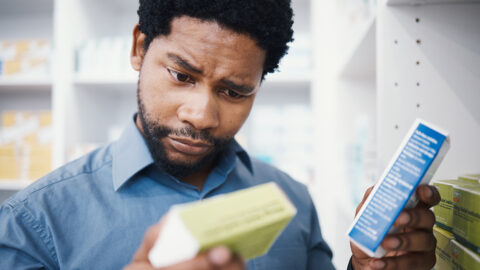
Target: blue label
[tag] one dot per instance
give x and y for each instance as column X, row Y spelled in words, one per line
column 397, row 187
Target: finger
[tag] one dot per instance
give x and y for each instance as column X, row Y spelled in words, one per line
column 365, row 196
column 219, row 256
column 414, row 241
column 200, row 262
column 428, row 196
column 409, row 261
column 148, row 241
column 237, row 263
column 417, row 218
column 215, row 258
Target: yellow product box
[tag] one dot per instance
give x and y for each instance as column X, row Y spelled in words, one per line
column 246, row 221
column 443, row 250
column 40, row 161
column 444, row 210
column 472, row 178
column 9, row 162
column 463, row 258
column 466, row 215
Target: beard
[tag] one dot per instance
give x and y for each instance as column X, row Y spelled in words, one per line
column 154, row 133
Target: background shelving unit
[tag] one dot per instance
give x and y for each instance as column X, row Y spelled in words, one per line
column 365, row 106
column 20, row 20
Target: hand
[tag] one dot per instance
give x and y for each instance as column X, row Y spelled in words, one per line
column 413, row 247
column 218, row 258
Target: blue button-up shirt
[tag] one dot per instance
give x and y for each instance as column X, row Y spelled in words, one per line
column 93, row 212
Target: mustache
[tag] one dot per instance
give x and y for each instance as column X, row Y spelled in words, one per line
column 160, row 132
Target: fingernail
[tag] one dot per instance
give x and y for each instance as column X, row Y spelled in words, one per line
column 392, row 243
column 219, row 255
column 403, row 218
column 378, row 264
column 428, row 192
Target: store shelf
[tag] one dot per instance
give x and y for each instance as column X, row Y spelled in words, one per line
column 359, row 59
column 25, row 84
column 6, row 184
column 105, row 80
column 427, row 2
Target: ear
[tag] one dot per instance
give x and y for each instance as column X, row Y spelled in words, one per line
column 138, row 52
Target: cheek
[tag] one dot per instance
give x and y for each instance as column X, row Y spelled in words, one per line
column 159, row 103
column 235, row 116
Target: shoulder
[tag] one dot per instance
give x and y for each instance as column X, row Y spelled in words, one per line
column 68, row 176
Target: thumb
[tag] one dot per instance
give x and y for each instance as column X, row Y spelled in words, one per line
column 365, row 196
column 214, row 258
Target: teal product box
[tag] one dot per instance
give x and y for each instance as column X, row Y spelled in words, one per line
column 414, row 163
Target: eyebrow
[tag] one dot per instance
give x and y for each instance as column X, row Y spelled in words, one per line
column 184, row 64
column 244, row 89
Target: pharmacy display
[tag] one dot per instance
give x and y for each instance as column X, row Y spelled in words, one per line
column 414, row 163
column 457, row 227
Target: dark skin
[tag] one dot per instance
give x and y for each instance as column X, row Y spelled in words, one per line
column 206, row 77
column 414, row 246
column 202, row 76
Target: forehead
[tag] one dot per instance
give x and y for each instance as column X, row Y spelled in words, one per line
column 206, row 43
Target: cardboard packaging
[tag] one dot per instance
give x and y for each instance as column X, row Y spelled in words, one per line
column 414, row 163
column 443, row 250
column 466, row 215
column 246, row 221
column 463, row 258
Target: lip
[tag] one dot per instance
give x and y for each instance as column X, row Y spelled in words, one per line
column 189, row 147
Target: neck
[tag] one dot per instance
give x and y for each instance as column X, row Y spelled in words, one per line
column 198, row 179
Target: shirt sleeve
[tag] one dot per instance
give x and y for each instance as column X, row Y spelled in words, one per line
column 22, row 241
column 319, row 255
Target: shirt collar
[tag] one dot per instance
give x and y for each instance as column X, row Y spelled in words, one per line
column 131, row 155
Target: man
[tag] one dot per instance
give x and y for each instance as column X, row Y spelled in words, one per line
column 201, row 63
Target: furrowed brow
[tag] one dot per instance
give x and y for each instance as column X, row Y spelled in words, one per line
column 183, row 63
column 244, row 89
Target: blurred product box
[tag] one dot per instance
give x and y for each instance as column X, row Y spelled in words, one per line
column 466, row 216
column 25, row 58
column 25, row 145
column 444, row 210
column 471, row 178
column 463, row 258
column 443, row 250
column 107, row 56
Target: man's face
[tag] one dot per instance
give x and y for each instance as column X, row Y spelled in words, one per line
column 196, row 88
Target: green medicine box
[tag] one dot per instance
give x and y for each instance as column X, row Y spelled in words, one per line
column 463, row 258
column 444, row 210
column 466, row 215
column 443, row 250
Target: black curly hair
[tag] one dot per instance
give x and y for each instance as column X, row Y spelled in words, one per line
column 268, row 22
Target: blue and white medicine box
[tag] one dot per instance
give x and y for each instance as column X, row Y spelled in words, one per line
column 414, row 163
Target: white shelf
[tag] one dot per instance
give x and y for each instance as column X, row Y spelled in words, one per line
column 105, row 80
column 359, row 59
column 7, row 184
column 19, row 84
column 427, row 2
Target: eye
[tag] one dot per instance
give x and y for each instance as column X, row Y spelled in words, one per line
column 232, row 94
column 180, row 77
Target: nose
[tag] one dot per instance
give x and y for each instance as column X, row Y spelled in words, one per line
column 200, row 110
